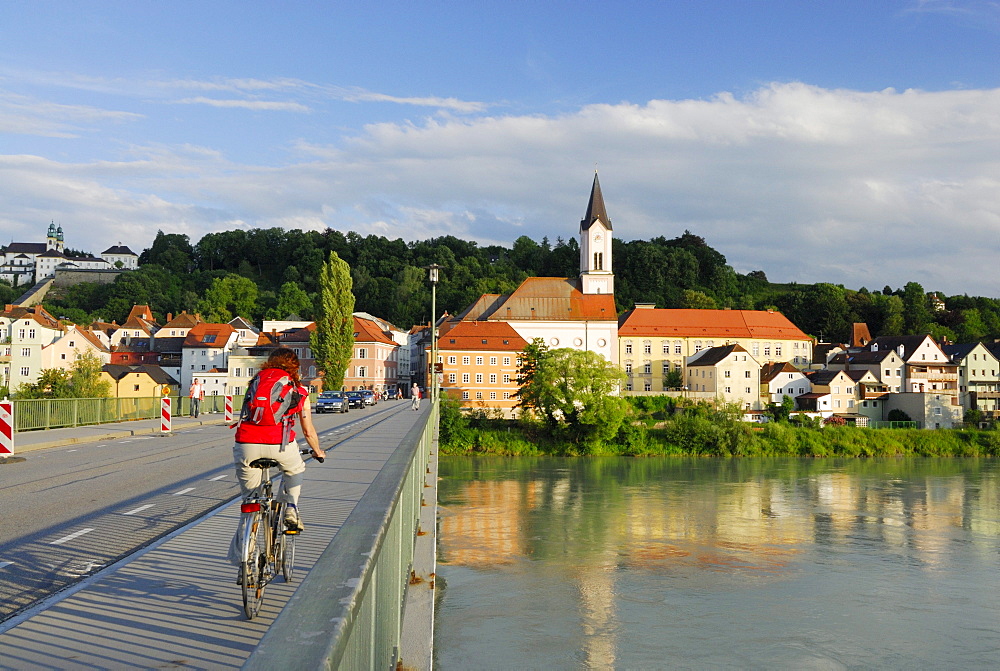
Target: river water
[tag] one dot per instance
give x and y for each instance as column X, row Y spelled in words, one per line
column 600, row 563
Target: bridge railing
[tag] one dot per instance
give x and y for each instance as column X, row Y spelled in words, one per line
column 33, row 414
column 347, row 613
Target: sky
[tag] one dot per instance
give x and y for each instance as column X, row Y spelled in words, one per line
column 852, row 142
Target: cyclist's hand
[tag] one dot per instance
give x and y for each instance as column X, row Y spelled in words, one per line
column 319, row 455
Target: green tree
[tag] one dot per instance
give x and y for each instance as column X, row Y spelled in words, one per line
column 697, row 300
column 292, row 300
column 228, row 297
column 576, row 395
column 528, row 392
column 333, row 340
column 85, row 377
column 673, row 380
column 916, row 314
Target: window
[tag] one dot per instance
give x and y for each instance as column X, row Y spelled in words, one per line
column 479, row 361
column 767, row 349
column 677, row 348
column 362, row 371
column 628, row 346
column 628, row 368
column 648, row 386
column 31, row 333
column 748, row 390
column 465, row 396
column 777, row 349
column 25, row 371
column 728, row 390
column 72, row 343
column 666, row 367
column 727, row 374
column 506, row 395
column 666, row 347
column 203, row 366
column 493, row 361
column 25, row 351
column 451, row 378
column 697, row 345
column 755, row 349
column 647, row 347
column 479, row 378
column 465, row 361
column 746, row 374
column 479, row 395
column 362, row 352
column 647, row 368
column 465, row 378
column 493, row 396
column 63, row 356
column 493, row 378
column 506, row 361
column 20, row 334
column 506, row 379
column 135, row 387
column 452, row 359
column 237, row 372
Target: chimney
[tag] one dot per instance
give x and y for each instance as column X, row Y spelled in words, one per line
column 8, row 307
column 170, row 316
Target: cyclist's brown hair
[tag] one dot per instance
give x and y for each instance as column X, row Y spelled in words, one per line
column 284, row 359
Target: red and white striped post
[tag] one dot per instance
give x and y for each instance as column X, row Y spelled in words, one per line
column 229, row 409
column 6, row 427
column 165, row 415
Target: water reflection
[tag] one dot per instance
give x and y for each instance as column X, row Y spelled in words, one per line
column 619, row 543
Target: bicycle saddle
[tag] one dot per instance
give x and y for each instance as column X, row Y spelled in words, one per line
column 263, row 462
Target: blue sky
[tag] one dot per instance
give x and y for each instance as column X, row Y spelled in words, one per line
column 848, row 142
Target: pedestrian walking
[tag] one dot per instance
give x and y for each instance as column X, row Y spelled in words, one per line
column 415, row 395
column 196, row 393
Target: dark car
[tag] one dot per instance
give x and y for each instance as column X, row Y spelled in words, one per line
column 370, row 398
column 331, row 401
column 355, row 399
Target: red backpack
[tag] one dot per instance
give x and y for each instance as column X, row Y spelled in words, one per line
column 271, row 401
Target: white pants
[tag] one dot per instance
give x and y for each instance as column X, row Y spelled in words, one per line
column 292, row 468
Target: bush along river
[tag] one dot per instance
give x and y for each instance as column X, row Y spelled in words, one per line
column 610, row 562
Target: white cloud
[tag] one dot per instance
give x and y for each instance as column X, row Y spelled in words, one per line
column 807, row 184
column 266, row 105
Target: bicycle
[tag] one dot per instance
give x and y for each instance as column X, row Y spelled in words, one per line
column 267, row 546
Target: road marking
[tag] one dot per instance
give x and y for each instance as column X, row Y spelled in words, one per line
column 217, row 477
column 139, row 509
column 71, row 450
column 75, row 534
column 5, row 564
column 183, row 491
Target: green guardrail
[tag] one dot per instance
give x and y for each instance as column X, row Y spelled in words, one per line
column 38, row 414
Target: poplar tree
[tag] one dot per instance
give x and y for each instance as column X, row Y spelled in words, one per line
column 333, row 340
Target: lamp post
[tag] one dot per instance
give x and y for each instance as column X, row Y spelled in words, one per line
column 432, row 272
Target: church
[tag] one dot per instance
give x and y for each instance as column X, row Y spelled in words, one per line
column 577, row 312
column 478, row 348
column 24, row 263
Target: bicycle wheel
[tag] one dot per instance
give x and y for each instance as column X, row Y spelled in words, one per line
column 284, row 545
column 253, row 569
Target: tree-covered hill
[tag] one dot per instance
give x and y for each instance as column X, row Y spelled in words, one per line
column 272, row 273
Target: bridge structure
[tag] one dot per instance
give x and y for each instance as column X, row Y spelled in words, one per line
column 361, row 598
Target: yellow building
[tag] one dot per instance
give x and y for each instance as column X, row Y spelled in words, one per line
column 653, row 342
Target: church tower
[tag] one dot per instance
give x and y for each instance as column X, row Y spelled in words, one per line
column 596, row 276
column 50, row 239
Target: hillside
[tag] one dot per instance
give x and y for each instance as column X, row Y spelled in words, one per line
column 271, row 273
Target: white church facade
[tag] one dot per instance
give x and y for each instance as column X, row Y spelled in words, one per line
column 24, row 263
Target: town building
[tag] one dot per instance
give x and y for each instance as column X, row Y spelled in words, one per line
column 373, row 364
column 653, row 342
column 479, row 365
column 24, row 333
column 978, row 377
column 728, row 373
column 782, row 379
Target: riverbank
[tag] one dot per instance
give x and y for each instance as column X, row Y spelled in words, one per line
column 704, row 432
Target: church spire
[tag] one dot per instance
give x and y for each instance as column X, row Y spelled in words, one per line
column 595, row 208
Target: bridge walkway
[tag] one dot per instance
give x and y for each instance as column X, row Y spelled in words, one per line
column 176, row 604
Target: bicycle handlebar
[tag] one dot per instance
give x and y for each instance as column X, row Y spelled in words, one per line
column 319, row 459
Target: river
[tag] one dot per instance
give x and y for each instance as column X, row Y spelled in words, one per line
column 599, row 563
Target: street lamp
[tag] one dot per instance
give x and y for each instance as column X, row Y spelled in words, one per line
column 432, row 273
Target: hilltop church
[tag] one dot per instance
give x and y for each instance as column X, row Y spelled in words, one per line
column 24, row 263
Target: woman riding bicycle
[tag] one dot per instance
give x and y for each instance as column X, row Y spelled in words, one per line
column 277, row 442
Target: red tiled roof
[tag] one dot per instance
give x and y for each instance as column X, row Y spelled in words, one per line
column 365, row 330
column 492, row 336
column 710, row 323
column 554, row 299
column 199, row 333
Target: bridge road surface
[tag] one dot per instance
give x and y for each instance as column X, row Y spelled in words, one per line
column 175, row 604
